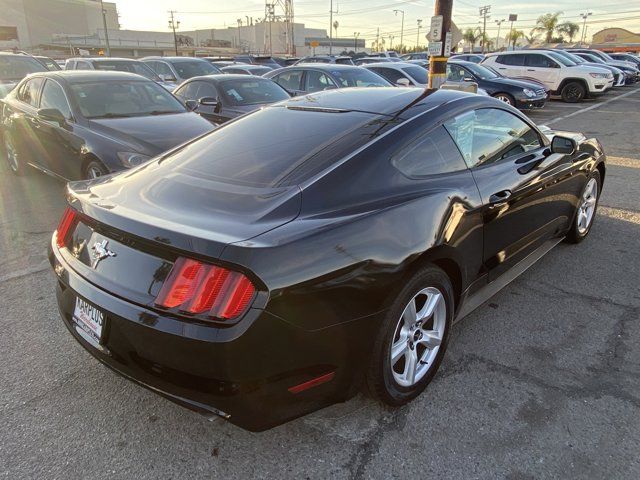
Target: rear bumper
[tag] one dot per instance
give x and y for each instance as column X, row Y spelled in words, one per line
column 242, row 372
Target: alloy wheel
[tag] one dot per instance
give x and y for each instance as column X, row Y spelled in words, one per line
column 574, row 93
column 417, row 337
column 587, row 208
column 504, row 98
column 93, row 172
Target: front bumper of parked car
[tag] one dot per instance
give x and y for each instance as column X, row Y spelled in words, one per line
column 526, row 103
column 258, row 373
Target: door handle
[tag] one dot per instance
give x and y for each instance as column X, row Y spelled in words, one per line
column 502, row 68
column 499, row 198
column 531, row 69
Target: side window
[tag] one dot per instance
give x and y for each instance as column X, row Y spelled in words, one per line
column 53, row 97
column 82, row 65
column 516, row 60
column 188, row 91
column 205, row 90
column 290, row 80
column 388, row 73
column 489, row 135
column 318, row 81
column 30, row 92
column 163, row 69
column 538, row 60
column 430, row 154
column 455, row 73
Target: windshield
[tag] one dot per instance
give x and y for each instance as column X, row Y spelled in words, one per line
column 606, row 56
column 419, row 74
column 252, row 92
column 124, row 99
column 564, row 61
column 193, row 68
column 266, row 61
column 50, row 64
column 124, row 66
column 16, row 67
column 258, row 70
column 574, row 57
column 358, row 77
column 593, row 58
column 481, row 71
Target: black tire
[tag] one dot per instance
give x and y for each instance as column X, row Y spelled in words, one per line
column 573, row 92
column 94, row 169
column 577, row 234
column 12, row 155
column 505, row 98
column 380, row 377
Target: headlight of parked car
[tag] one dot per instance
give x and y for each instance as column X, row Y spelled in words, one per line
column 529, row 93
column 132, row 159
column 599, row 75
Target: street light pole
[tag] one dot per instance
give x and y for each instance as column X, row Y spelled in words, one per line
column 418, row 35
column 401, row 27
column 355, row 41
column 584, row 27
column 499, row 22
column 106, row 32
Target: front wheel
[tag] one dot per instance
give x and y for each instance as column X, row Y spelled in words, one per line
column 11, row 154
column 412, row 338
column 506, row 98
column 94, row 169
column 573, row 92
column 586, row 213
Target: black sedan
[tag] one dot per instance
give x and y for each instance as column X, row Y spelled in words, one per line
column 219, row 98
column 521, row 94
column 85, row 124
column 314, row 77
column 246, row 69
column 260, row 280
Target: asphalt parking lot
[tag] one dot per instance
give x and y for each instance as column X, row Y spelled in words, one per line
column 541, row 382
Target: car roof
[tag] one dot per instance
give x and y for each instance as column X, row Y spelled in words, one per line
column 223, row 77
column 381, row 100
column 322, row 66
column 174, row 58
column 104, row 59
column 395, row 65
column 77, row 76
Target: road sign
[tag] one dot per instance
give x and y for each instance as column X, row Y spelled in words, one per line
column 314, row 43
column 435, row 49
column 436, row 28
column 447, row 44
column 513, row 17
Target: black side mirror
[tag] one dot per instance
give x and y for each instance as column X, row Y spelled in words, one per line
column 209, row 101
column 564, row 145
column 468, row 78
column 52, row 115
column 191, row 105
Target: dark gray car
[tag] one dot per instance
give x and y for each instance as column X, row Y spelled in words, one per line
column 219, row 98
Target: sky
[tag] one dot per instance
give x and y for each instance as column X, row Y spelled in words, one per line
column 366, row 16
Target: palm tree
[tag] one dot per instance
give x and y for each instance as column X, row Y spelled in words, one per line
column 471, row 36
column 570, row 29
column 547, row 24
column 514, row 35
column 531, row 38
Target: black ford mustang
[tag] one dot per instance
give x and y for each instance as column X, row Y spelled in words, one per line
column 263, row 280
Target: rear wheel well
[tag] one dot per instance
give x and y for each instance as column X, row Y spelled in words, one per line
column 452, row 270
column 602, row 169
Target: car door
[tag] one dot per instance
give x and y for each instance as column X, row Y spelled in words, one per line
column 291, row 80
column 510, row 65
column 60, row 143
column 542, row 68
column 528, row 193
column 24, row 119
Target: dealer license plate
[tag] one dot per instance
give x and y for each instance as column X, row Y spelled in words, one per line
column 89, row 322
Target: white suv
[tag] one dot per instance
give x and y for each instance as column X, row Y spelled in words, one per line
column 560, row 75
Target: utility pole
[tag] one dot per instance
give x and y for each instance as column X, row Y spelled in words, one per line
column 418, row 35
column 106, row 31
column 173, row 24
column 239, row 25
column 378, row 40
column 438, row 63
column 484, row 13
column 269, row 13
column 401, row 27
column 499, row 22
column 583, row 37
column 331, row 12
column 355, row 41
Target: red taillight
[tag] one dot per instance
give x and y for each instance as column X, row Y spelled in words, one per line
column 200, row 288
column 67, row 223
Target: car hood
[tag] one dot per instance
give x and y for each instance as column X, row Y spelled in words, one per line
column 238, row 110
column 516, row 83
column 153, row 134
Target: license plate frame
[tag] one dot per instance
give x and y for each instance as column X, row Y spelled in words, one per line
column 90, row 322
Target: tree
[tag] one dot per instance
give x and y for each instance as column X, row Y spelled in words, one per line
column 471, row 36
column 531, row 38
column 570, row 29
column 514, row 35
column 548, row 24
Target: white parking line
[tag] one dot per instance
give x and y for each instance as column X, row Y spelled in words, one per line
column 592, row 107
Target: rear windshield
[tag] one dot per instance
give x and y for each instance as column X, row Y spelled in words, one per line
column 252, row 91
column 16, row 67
column 419, row 74
column 193, row 68
column 358, row 77
column 264, row 149
column 124, row 66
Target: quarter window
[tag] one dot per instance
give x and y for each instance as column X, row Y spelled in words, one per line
column 516, row 60
column 430, row 154
column 290, row 80
column 489, row 135
column 318, row 81
column 30, row 92
column 53, row 97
